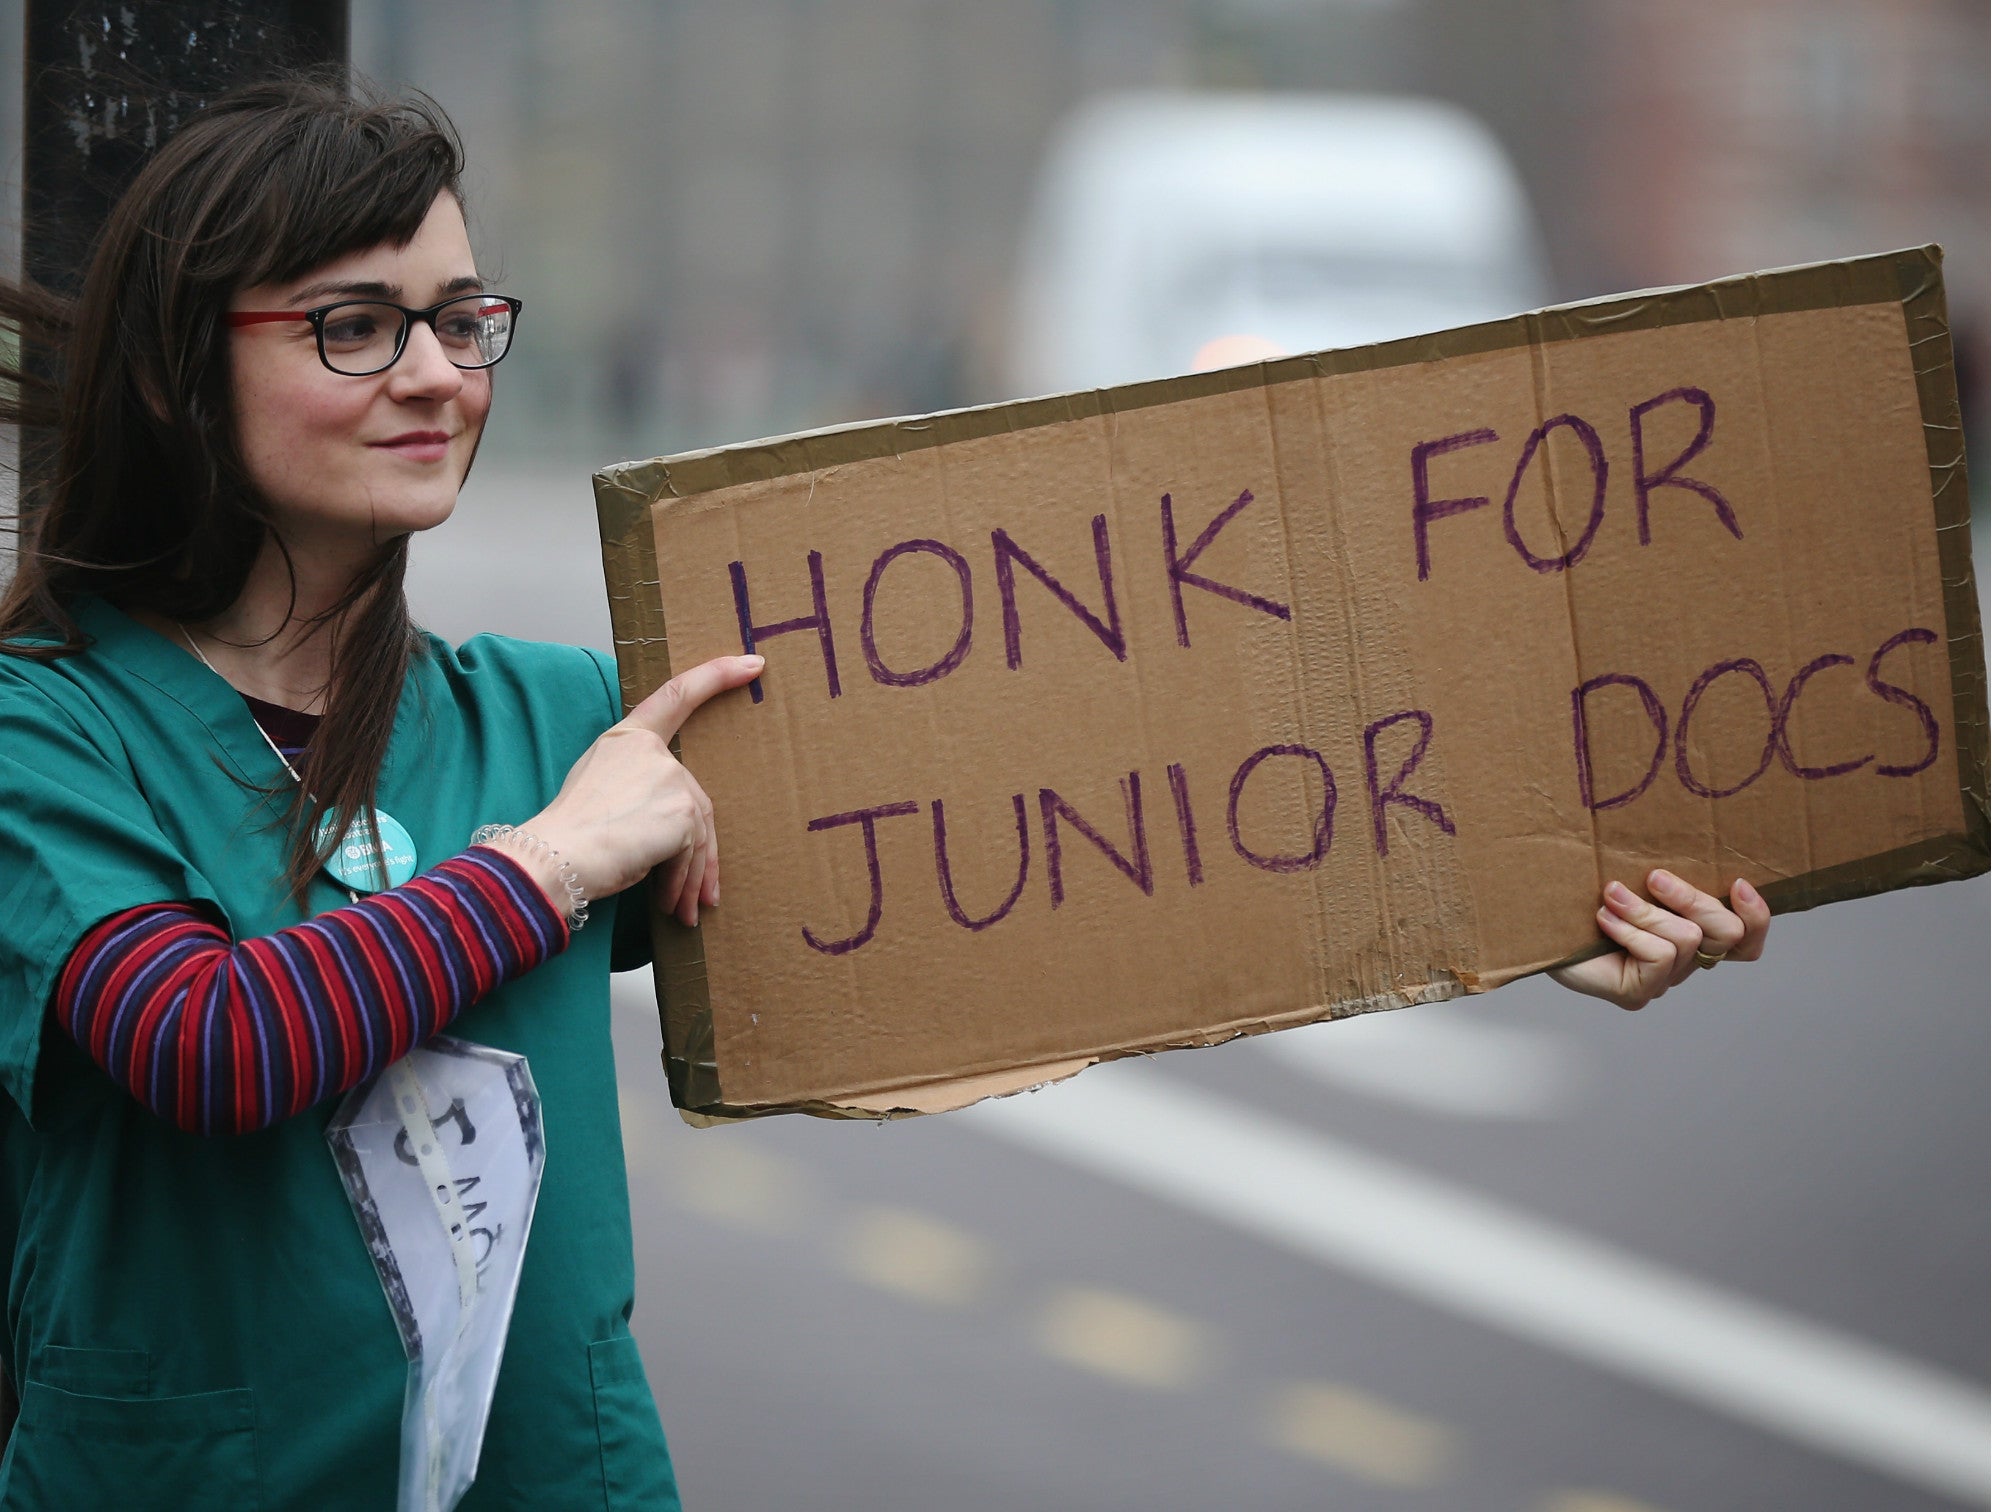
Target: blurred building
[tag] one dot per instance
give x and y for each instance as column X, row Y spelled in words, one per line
column 731, row 217
column 1752, row 133
column 1757, row 133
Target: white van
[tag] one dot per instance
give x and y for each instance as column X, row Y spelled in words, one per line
column 1172, row 224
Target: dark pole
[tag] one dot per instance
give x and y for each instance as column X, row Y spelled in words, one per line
column 106, row 84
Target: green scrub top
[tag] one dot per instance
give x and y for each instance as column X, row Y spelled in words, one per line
column 194, row 1322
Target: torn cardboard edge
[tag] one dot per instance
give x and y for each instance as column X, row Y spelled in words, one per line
column 628, row 493
column 945, row 1095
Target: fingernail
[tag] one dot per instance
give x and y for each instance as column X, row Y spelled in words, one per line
column 1748, row 893
column 1618, row 893
column 1660, row 878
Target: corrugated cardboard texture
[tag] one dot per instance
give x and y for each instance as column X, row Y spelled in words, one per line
column 1457, row 629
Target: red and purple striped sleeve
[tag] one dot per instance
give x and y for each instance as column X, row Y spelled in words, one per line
column 222, row 1038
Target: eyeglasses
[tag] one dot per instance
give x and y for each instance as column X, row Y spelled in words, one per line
column 359, row 337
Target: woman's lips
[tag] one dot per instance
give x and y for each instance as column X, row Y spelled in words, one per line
column 417, row 446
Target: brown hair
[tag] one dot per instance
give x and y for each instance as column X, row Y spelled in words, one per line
column 147, row 502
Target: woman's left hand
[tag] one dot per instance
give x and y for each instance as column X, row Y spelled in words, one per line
column 1659, row 942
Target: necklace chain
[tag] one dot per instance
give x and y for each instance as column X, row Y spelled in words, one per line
column 194, row 646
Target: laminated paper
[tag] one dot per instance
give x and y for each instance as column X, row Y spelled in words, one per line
column 1151, row 716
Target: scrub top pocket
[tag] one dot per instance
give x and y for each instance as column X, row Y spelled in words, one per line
column 636, row 1465
column 135, row 1454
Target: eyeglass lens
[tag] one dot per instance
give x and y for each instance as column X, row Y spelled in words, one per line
column 363, row 338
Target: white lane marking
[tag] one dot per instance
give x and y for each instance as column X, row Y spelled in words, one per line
column 1438, row 1059
column 1549, row 1285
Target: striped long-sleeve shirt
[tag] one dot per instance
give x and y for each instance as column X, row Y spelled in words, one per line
column 220, row 1037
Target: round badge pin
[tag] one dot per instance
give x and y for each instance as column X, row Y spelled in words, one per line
column 355, row 864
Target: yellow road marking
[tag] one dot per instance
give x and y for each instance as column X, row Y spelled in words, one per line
column 916, row 1256
column 1118, row 1336
column 1361, row 1435
column 1337, row 1203
column 737, row 1185
column 644, row 1132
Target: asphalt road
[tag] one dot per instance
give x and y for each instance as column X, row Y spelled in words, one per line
column 1523, row 1252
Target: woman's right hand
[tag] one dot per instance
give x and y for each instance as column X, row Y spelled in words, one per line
column 629, row 807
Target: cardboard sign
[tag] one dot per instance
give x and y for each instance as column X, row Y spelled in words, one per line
column 1153, row 716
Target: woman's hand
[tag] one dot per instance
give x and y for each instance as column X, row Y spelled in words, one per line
column 1660, row 942
column 628, row 805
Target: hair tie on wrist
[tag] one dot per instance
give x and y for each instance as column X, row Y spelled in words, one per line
column 577, row 896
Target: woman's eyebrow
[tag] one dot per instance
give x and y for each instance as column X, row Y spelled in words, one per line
column 467, row 283
column 360, row 289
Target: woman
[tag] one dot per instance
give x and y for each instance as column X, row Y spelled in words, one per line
column 277, row 372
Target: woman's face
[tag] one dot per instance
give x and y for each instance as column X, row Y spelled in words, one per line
column 345, row 463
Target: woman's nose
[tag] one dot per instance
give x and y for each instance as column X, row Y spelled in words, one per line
column 424, row 370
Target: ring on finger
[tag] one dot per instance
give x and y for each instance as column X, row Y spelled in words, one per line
column 1709, row 962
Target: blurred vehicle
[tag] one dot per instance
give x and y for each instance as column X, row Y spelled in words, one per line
column 1168, row 223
